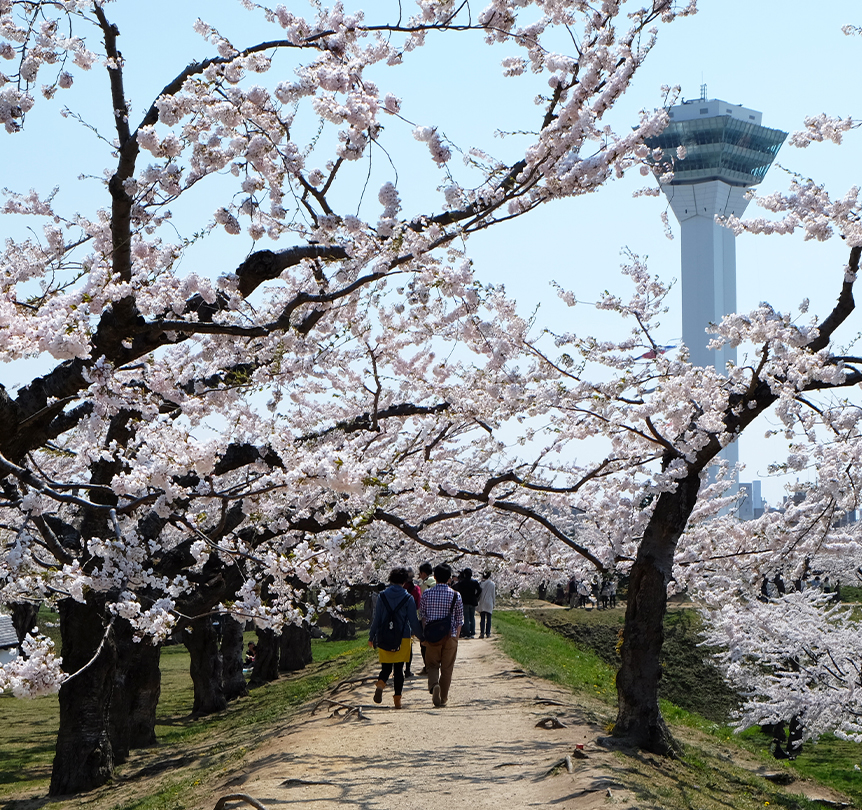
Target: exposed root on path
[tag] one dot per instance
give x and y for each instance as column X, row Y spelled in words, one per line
column 540, row 701
column 221, row 804
column 353, row 683
column 550, row 722
column 510, row 673
column 331, row 702
column 349, row 711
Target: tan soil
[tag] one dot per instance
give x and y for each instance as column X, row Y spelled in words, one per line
column 482, row 751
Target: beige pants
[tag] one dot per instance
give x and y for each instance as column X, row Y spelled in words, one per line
column 440, row 661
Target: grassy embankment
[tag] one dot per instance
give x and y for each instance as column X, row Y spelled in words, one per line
column 190, row 750
column 698, row 712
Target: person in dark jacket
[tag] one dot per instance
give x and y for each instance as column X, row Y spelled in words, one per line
column 395, row 610
column 469, row 590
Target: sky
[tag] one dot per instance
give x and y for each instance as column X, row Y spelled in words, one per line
column 785, row 58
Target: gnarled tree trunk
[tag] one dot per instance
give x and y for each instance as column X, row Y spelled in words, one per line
column 265, row 659
column 201, row 640
column 24, row 618
column 233, row 678
column 639, row 718
column 137, row 687
column 295, row 647
column 84, row 757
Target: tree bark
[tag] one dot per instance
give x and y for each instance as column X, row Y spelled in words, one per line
column 639, row 720
column 295, row 647
column 233, row 678
column 137, row 687
column 84, row 757
column 24, row 618
column 265, row 659
column 342, row 631
column 201, row 641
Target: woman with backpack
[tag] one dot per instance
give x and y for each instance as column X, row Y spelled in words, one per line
column 394, row 622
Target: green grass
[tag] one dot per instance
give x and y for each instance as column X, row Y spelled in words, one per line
column 30, row 726
column 550, row 655
column 851, row 593
column 27, row 742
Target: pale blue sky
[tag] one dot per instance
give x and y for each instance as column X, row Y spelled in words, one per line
column 778, row 56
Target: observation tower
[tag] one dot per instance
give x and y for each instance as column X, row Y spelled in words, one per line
column 727, row 152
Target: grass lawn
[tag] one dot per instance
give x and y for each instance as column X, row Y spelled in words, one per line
column 29, row 727
column 705, row 767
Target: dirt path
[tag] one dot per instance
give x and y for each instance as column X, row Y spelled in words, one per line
column 482, row 751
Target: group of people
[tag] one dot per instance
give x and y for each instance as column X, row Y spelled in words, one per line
column 436, row 614
column 601, row 593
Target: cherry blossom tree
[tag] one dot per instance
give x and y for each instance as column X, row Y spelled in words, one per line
column 227, row 435
column 647, row 503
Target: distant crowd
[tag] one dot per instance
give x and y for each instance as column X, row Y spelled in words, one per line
column 583, row 593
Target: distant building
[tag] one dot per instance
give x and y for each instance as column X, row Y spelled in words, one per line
column 751, row 502
column 718, row 152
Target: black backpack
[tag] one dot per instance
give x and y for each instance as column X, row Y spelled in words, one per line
column 389, row 635
column 438, row 629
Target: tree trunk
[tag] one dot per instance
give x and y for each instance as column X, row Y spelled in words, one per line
column 24, row 618
column 84, row 758
column 137, row 687
column 232, row 653
column 265, row 659
column 201, row 640
column 295, row 647
column 639, row 719
column 342, row 631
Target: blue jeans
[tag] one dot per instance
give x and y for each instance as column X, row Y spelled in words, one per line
column 485, row 623
column 469, row 620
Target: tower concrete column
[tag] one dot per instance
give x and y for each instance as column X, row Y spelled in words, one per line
column 717, row 152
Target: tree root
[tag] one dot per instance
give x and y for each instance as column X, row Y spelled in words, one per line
column 331, row 702
column 540, row 701
column 344, row 712
column 238, row 797
column 352, row 684
column 550, row 722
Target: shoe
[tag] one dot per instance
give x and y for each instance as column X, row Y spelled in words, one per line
column 397, row 699
column 435, row 695
column 409, row 675
column 481, row 635
column 378, row 692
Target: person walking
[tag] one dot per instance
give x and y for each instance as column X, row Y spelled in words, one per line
column 394, row 622
column 441, row 606
column 487, row 597
column 469, row 590
column 583, row 593
column 413, row 589
column 605, row 593
column 426, row 577
column 426, row 581
column 572, row 592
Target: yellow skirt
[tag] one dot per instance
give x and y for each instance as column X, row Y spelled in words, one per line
column 388, row 657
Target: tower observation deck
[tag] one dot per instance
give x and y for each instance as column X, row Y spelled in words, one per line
column 727, row 152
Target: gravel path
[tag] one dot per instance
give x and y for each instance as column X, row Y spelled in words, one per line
column 483, row 751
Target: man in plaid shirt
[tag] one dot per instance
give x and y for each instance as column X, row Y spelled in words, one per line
column 440, row 656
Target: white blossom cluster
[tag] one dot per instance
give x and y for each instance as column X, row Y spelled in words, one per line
column 35, row 673
column 349, row 395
